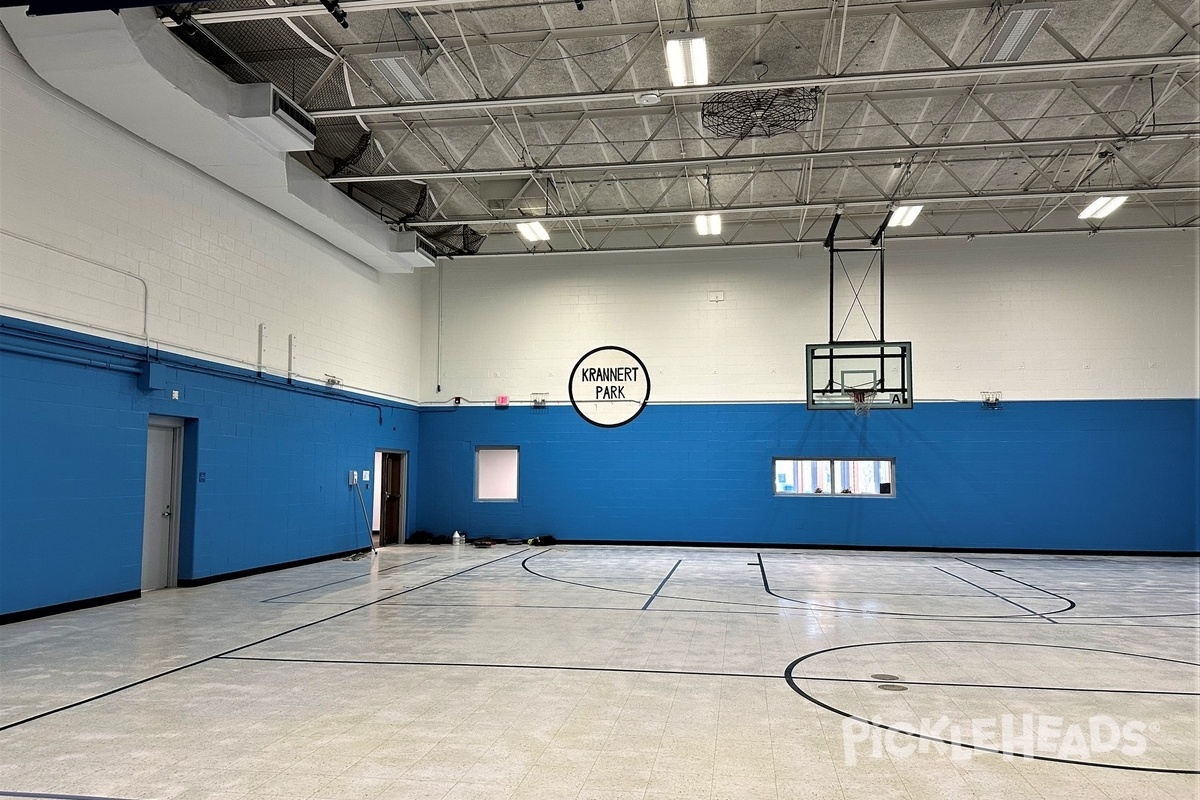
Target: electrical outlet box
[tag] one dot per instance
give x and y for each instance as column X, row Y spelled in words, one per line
column 353, row 477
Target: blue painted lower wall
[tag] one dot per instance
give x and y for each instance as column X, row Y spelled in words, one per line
column 274, row 458
column 1095, row 475
column 1098, row 475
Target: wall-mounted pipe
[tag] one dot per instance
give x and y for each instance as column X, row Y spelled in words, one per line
column 145, row 336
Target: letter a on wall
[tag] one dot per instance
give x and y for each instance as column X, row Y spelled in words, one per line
column 609, row 386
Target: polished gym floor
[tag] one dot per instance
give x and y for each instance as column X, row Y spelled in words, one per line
column 621, row 673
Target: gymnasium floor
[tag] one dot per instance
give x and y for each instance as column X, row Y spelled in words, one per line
column 620, row 673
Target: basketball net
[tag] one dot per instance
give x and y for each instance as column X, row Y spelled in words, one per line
column 862, row 401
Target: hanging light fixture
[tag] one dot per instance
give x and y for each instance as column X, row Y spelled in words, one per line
column 687, row 59
column 708, row 224
column 904, row 216
column 533, row 231
column 1021, row 23
column 1101, row 207
column 1110, row 201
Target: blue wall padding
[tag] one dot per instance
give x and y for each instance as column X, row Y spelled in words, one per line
column 275, row 460
column 1094, row 475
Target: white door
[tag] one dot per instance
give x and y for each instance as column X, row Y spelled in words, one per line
column 158, row 526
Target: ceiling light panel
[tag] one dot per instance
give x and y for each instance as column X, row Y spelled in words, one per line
column 687, row 59
column 1101, row 207
column 904, row 216
column 533, row 231
column 402, row 76
column 1020, row 25
column 708, row 224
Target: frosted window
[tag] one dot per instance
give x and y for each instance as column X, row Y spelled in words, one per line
column 496, row 473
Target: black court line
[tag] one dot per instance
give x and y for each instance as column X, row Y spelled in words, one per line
column 998, row 686
column 550, row 667
column 762, row 568
column 809, row 607
column 56, row 796
column 343, row 580
column 525, row 566
column 661, row 585
column 239, row 648
column 1023, row 583
column 791, row 678
column 786, row 611
column 705, row 673
column 994, row 594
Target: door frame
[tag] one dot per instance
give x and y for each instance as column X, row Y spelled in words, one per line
column 175, row 425
column 383, row 452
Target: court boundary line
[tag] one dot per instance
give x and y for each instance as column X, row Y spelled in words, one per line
column 474, row 665
column 661, row 585
column 53, row 796
column 762, row 568
column 707, row 673
column 344, row 580
column 791, row 681
column 1023, row 583
column 206, row 659
column 995, row 594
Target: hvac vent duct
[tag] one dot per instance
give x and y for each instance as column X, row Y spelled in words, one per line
column 272, row 117
column 412, row 251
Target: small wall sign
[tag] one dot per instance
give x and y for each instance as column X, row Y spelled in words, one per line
column 609, row 386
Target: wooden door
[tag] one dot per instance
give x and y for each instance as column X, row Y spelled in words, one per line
column 391, row 499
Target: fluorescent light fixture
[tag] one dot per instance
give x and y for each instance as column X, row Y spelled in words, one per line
column 402, row 76
column 904, row 216
column 1020, row 25
column 533, row 231
column 1101, row 207
column 687, row 59
column 708, row 224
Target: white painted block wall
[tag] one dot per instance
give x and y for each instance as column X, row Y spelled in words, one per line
column 1042, row 317
column 213, row 263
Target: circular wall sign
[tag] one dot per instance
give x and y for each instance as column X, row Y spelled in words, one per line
column 609, row 386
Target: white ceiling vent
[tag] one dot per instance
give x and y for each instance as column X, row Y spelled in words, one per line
column 274, row 119
column 411, row 251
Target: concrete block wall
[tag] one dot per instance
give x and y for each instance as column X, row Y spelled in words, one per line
column 1092, row 340
column 115, row 255
column 100, row 202
column 1047, row 318
column 264, row 477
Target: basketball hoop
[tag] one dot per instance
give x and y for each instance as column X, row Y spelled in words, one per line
column 862, row 401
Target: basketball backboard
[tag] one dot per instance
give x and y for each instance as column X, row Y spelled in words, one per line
column 838, row 369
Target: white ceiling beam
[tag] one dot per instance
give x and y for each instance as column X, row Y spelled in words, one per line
column 978, row 72
column 882, row 95
column 792, row 243
column 704, row 23
column 1001, row 146
column 864, row 202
